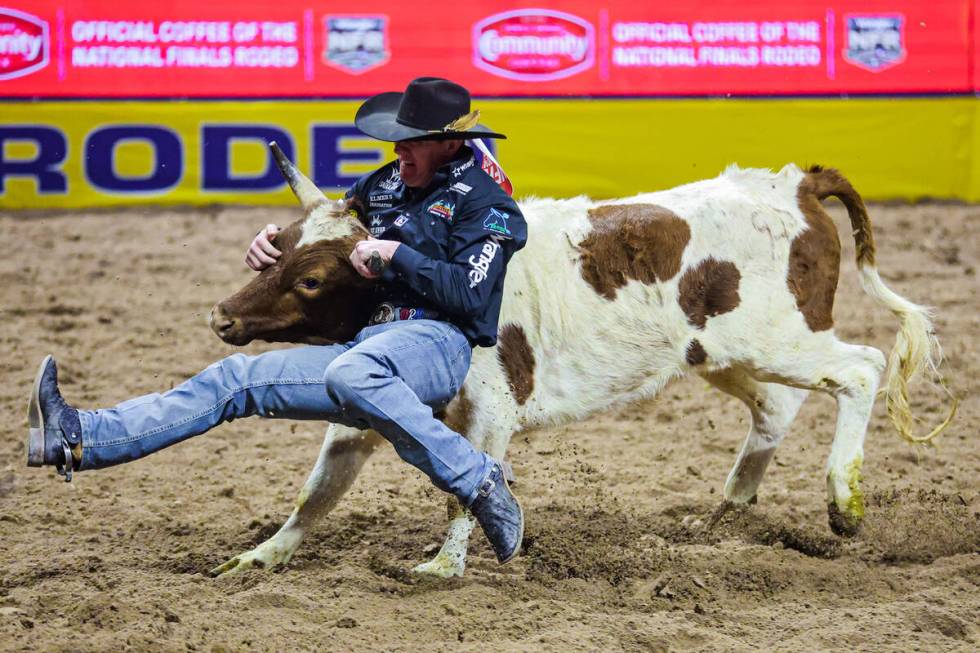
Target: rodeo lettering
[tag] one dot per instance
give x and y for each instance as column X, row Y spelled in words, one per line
column 481, row 266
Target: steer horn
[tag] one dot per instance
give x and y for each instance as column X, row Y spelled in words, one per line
column 305, row 190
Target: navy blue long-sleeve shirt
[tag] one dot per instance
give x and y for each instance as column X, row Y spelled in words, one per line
column 457, row 235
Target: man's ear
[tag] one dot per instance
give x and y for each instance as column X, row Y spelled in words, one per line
column 453, row 146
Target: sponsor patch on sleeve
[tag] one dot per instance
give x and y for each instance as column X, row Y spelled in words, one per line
column 480, row 265
column 497, row 222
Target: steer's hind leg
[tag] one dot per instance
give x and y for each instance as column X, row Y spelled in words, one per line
column 849, row 373
column 773, row 408
column 854, row 383
column 342, row 455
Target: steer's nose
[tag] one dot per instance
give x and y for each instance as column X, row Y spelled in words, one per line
column 220, row 323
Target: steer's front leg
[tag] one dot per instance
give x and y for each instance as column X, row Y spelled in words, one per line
column 342, row 455
column 488, row 425
column 451, row 559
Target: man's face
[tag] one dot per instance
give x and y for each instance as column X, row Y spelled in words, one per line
column 419, row 160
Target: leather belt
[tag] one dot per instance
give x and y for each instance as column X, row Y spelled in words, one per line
column 390, row 313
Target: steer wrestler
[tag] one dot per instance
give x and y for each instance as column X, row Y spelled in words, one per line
column 438, row 296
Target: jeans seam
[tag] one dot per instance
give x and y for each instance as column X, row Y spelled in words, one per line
column 223, row 399
column 388, row 417
column 410, row 345
column 458, row 383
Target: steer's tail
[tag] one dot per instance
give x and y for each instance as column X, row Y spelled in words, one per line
column 916, row 346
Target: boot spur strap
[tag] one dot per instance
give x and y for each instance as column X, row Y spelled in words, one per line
column 66, row 469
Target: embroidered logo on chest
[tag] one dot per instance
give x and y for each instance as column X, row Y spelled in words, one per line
column 377, row 225
column 393, row 181
column 383, row 200
column 442, row 208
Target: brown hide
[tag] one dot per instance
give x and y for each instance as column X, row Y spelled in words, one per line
column 708, row 289
column 695, row 354
column 517, row 358
column 814, row 258
column 644, row 242
column 276, row 306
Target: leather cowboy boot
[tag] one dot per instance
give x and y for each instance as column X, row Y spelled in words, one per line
column 500, row 515
column 55, row 435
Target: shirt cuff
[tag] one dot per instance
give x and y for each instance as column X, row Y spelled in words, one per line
column 406, row 260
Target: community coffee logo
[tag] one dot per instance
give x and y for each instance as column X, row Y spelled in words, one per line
column 533, row 45
column 24, row 43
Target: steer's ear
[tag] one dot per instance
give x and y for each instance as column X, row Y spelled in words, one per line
column 306, row 192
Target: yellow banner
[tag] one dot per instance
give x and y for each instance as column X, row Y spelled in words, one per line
column 83, row 154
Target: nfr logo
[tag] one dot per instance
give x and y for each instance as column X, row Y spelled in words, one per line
column 101, row 157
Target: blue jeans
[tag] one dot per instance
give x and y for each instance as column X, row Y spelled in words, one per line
column 389, row 378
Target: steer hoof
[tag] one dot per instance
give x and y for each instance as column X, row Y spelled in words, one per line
column 442, row 566
column 274, row 552
column 841, row 523
column 226, row 568
column 241, row 563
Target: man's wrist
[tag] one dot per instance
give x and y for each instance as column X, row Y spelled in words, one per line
column 392, row 247
column 405, row 259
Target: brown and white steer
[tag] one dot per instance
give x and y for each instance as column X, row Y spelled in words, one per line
column 731, row 278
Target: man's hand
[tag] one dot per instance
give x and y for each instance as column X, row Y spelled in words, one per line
column 362, row 253
column 261, row 253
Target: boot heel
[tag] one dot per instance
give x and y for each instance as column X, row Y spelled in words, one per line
column 35, row 419
column 35, row 447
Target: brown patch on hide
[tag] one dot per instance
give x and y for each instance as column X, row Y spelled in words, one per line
column 814, row 255
column 695, row 353
column 632, row 241
column 708, row 289
column 459, row 414
column 822, row 183
column 515, row 355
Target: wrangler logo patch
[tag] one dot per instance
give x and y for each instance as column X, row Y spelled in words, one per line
column 480, row 265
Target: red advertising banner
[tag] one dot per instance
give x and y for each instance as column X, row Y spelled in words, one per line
column 974, row 11
column 296, row 48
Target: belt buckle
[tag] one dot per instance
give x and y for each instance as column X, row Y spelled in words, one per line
column 383, row 314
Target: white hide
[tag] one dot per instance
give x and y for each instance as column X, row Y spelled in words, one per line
column 326, row 221
column 592, row 353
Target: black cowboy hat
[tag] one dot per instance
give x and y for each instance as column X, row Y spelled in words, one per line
column 430, row 108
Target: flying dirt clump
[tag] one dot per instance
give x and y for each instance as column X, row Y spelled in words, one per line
column 591, row 545
column 745, row 522
column 920, row 525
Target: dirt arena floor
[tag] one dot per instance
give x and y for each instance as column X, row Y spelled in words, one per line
column 616, row 555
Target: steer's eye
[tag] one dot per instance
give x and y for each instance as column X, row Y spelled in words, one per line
column 310, row 283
